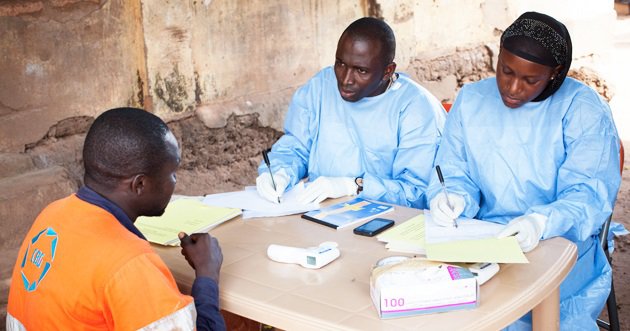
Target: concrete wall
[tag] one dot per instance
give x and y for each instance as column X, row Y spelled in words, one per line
column 275, row 46
column 70, row 58
column 65, row 58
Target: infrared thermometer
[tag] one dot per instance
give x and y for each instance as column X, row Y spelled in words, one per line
column 483, row 271
column 311, row 257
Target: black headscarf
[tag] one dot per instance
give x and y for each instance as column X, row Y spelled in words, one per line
column 541, row 39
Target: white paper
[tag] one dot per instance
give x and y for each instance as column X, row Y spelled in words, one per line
column 192, row 197
column 253, row 205
column 467, row 229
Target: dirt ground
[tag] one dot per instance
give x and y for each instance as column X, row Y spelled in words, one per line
column 223, row 159
column 621, row 256
column 615, row 70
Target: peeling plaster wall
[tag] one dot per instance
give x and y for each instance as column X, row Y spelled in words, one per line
column 589, row 22
column 241, row 56
column 62, row 59
column 274, row 47
column 215, row 58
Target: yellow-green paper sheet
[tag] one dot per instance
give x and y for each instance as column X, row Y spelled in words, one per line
column 183, row 215
column 410, row 237
column 499, row 250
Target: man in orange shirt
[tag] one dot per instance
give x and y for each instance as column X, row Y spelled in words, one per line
column 84, row 265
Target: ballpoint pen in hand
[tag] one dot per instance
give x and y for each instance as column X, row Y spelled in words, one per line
column 448, row 202
column 266, row 158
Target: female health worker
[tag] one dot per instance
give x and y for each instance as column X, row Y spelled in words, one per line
column 537, row 151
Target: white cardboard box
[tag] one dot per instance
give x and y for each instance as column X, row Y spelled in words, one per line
column 416, row 286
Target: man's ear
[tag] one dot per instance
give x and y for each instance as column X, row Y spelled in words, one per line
column 138, row 184
column 389, row 71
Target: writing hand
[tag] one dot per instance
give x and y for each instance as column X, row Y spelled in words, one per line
column 265, row 187
column 441, row 212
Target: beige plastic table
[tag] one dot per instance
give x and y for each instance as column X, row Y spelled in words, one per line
column 337, row 297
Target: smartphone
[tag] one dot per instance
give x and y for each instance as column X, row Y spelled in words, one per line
column 373, row 227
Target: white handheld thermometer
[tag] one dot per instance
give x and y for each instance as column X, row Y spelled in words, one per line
column 311, row 257
column 484, row 271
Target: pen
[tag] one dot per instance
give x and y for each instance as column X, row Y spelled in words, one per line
column 266, row 158
column 448, row 202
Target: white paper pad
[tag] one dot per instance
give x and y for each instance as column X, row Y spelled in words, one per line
column 467, row 229
column 253, row 205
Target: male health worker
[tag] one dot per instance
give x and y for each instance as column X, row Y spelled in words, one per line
column 358, row 128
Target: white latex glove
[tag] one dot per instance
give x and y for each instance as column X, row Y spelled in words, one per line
column 264, row 185
column 328, row 187
column 528, row 230
column 441, row 213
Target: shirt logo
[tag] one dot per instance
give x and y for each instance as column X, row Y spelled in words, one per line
column 38, row 258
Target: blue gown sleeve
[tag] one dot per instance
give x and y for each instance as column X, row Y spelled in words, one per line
column 589, row 177
column 206, row 294
column 291, row 151
column 451, row 157
column 419, row 134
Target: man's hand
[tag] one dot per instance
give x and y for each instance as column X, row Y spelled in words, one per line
column 528, row 230
column 203, row 253
column 328, row 187
column 441, row 213
column 264, row 185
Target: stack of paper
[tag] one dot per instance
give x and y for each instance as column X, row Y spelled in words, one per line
column 472, row 241
column 183, row 215
column 492, row 250
column 253, row 205
column 467, row 229
column 407, row 237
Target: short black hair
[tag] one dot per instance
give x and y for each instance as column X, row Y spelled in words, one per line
column 370, row 28
column 123, row 142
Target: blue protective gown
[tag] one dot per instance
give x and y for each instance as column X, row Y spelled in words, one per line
column 390, row 140
column 558, row 157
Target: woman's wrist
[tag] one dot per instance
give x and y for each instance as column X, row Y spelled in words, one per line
column 359, row 182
